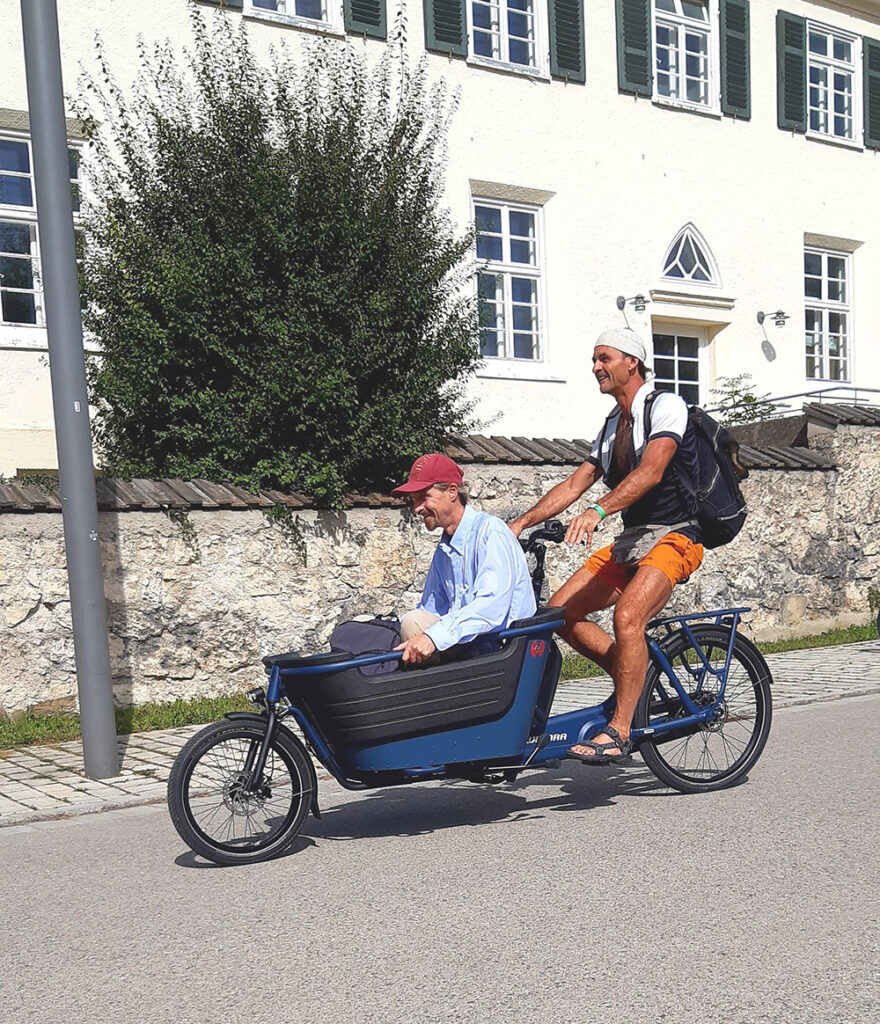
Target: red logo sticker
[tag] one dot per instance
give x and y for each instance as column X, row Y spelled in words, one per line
column 537, row 648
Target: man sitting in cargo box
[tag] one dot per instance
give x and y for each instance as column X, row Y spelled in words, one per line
column 478, row 582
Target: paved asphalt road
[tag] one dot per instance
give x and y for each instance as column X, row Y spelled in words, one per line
column 583, row 895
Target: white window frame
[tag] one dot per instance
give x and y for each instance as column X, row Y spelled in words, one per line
column 686, row 330
column 696, row 238
column 541, row 67
column 37, row 290
column 31, row 336
column 825, row 306
column 507, row 269
column 681, row 23
column 832, row 64
column 332, row 21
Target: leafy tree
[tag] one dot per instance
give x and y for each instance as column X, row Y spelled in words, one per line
column 278, row 291
column 738, row 403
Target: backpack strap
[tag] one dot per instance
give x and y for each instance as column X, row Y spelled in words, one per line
column 680, row 479
column 602, row 434
column 646, row 422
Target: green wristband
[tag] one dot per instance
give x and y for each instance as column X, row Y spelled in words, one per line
column 600, row 510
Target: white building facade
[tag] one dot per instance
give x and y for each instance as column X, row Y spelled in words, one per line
column 712, row 163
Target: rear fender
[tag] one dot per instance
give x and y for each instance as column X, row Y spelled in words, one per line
column 258, row 719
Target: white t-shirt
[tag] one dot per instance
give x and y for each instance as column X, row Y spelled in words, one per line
column 669, row 418
column 670, row 501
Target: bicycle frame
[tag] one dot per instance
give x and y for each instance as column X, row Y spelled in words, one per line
column 561, row 731
column 574, row 726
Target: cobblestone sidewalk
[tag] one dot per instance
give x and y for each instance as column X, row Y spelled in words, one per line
column 42, row 782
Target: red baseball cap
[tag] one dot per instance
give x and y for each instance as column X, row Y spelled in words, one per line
column 427, row 470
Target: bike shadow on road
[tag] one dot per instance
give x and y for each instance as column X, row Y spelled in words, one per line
column 422, row 809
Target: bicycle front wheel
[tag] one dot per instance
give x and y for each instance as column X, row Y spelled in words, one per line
column 720, row 752
column 220, row 812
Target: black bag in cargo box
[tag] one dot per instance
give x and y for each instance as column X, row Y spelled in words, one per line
column 375, row 636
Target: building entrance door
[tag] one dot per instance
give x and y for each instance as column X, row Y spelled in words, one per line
column 680, row 361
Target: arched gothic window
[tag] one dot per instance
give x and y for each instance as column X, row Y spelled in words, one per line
column 689, row 258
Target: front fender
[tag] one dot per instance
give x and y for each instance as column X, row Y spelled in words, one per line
column 260, row 719
column 247, row 716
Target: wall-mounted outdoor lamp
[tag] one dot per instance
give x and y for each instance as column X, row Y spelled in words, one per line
column 639, row 302
column 778, row 317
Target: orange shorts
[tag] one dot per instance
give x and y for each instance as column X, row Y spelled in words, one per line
column 676, row 556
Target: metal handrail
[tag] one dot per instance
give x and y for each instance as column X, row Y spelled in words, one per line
column 724, row 407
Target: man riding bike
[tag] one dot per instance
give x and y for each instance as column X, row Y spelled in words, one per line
column 660, row 546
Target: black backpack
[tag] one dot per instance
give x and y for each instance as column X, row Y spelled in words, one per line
column 721, row 508
column 375, row 636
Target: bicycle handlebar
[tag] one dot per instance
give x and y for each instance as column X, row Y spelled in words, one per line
column 552, row 530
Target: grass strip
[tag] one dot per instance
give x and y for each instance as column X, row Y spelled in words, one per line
column 31, row 729
column 831, row 638
column 576, row 666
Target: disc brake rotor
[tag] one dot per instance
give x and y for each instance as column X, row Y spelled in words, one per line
column 238, row 799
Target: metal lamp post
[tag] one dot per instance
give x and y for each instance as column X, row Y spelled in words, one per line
column 76, row 473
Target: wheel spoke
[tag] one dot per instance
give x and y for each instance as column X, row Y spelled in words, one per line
column 724, row 747
column 231, row 817
column 732, row 753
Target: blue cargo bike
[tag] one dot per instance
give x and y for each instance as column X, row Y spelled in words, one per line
column 241, row 788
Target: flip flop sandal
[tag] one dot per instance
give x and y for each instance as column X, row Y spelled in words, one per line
column 600, row 756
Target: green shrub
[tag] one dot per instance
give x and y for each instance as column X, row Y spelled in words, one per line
column 738, row 403
column 276, row 286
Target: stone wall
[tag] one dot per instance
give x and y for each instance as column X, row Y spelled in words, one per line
column 193, row 605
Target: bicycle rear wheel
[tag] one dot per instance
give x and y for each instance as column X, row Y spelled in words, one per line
column 720, row 752
column 218, row 814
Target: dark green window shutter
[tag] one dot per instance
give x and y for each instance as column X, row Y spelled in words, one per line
column 871, row 65
column 232, row 5
column 366, row 17
column 791, row 71
column 735, row 87
column 567, row 39
column 446, row 27
column 634, row 56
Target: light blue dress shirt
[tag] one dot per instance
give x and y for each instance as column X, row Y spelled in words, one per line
column 478, row 581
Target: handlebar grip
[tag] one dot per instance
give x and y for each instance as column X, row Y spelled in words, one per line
column 555, row 531
column 552, row 530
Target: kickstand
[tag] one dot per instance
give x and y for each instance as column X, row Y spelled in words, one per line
column 542, row 742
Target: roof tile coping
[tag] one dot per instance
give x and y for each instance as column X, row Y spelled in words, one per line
column 831, row 414
column 140, row 495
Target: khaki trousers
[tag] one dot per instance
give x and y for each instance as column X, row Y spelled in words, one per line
column 415, row 622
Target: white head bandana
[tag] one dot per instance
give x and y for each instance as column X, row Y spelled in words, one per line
column 625, row 340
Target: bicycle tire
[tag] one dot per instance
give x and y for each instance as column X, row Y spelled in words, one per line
column 716, row 754
column 216, row 817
